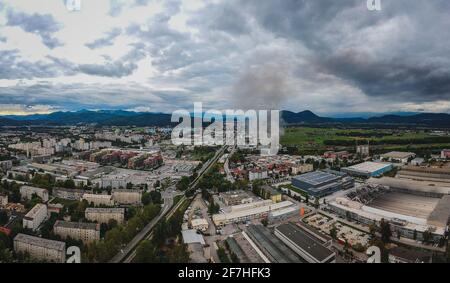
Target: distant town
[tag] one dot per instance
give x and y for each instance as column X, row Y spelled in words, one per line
column 127, row 194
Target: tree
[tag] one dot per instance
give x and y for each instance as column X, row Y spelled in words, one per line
column 265, row 222
column 385, row 230
column 178, row 254
column 183, row 184
column 223, row 257
column 3, row 217
column 156, row 197
column 146, row 198
column 333, row 232
column 146, row 253
column 316, row 203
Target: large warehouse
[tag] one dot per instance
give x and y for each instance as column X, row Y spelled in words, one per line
column 368, row 169
column 322, row 183
column 411, row 207
column 306, row 245
column 435, row 174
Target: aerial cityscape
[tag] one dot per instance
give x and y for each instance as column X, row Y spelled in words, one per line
column 323, row 133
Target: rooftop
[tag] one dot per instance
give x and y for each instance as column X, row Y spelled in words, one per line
column 105, row 210
column 369, row 167
column 305, row 241
column 318, row 177
column 398, row 155
column 192, row 237
column 78, row 225
column 441, row 213
column 41, row 242
column 278, row 251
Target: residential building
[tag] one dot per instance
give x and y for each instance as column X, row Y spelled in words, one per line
column 445, row 153
column 103, row 215
column 86, row 232
column 3, row 200
column 27, row 192
column 125, row 196
column 35, row 216
column 97, row 200
column 40, row 248
column 302, row 168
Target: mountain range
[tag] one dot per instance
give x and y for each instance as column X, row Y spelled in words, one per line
column 129, row 118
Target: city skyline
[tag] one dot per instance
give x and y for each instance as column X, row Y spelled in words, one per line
column 325, row 56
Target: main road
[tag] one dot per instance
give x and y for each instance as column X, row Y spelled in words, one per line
column 129, row 251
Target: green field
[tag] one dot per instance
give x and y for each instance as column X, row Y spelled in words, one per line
column 321, row 139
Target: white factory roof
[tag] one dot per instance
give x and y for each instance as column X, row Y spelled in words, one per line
column 377, row 215
column 287, row 210
column 398, row 154
column 250, row 205
column 369, row 167
column 252, row 211
column 191, row 237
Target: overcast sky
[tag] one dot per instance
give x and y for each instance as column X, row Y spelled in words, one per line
column 327, row 56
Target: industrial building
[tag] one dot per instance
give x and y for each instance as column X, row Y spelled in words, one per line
column 231, row 198
column 103, row 215
column 410, row 215
column 368, row 169
column 305, row 244
column 398, row 156
column 35, row 217
column 435, row 174
column 272, row 248
column 283, row 214
column 86, row 232
column 250, row 211
column 322, row 183
column 200, row 224
column 424, row 188
column 41, row 249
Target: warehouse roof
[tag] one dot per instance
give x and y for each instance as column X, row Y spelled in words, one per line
column 41, row 242
column 398, row 155
column 191, row 237
column 251, row 211
column 317, row 178
column 272, row 246
column 420, row 186
column 441, row 213
column 305, row 241
column 369, row 167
